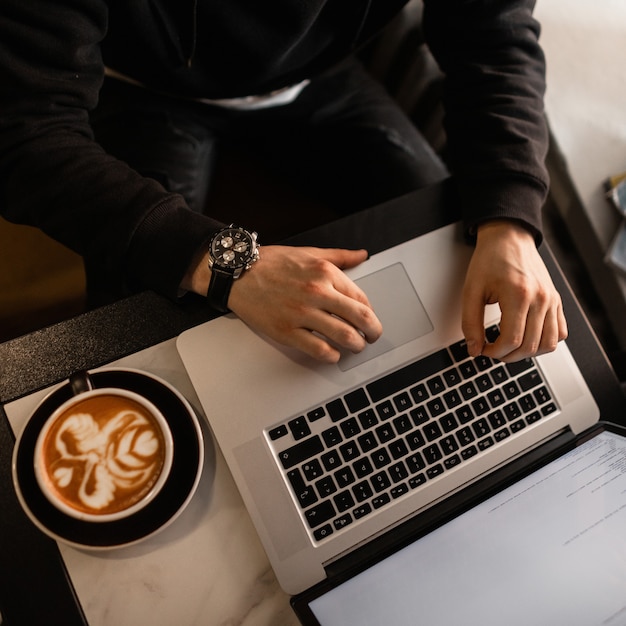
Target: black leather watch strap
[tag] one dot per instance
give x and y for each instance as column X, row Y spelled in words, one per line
column 219, row 289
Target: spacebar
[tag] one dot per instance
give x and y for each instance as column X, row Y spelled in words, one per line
column 409, row 375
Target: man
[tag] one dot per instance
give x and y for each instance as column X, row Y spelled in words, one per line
column 119, row 173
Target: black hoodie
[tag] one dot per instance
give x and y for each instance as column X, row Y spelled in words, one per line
column 53, row 174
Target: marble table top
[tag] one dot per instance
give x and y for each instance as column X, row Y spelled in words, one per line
column 206, row 567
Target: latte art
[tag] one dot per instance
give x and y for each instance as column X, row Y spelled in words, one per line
column 103, row 454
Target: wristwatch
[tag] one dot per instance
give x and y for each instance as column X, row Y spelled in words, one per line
column 231, row 251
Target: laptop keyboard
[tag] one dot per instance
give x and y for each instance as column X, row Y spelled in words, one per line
column 359, row 452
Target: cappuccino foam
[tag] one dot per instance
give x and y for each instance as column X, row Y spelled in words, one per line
column 103, row 454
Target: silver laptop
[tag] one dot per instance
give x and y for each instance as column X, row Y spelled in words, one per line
column 330, row 457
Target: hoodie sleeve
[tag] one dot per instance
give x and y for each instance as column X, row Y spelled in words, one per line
column 54, row 176
column 494, row 116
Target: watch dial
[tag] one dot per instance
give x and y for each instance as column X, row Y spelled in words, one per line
column 233, row 248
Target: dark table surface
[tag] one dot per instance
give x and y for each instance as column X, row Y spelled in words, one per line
column 34, row 587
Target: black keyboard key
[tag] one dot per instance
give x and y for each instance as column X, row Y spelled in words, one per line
column 512, row 411
column 496, row 398
column 299, row 428
column 385, row 433
column 381, row 500
column 452, row 377
column 410, row 375
column 316, row 414
column 502, row 434
column 368, row 418
column 436, row 385
column 343, row 501
column 434, row 471
column 342, row 522
column 499, row 375
column 326, row 486
column 452, row 461
column 492, row 333
column 519, row 366
column 305, row 495
column 435, row 407
column 480, row 406
column 362, row 511
column 449, row 445
column 380, row 482
column 432, row 454
column 464, row 414
column 468, row 369
column 415, row 440
column 465, row 436
column 432, row 431
column 468, row 390
column 485, row 443
column 535, row 416
column 320, row 513
column 417, row 481
column 331, row 460
column 529, row 380
column 356, row 400
column 350, row 427
column 548, row 409
column 402, row 424
column 398, row 472
column 542, row 395
column 527, row 403
column 398, row 449
column 517, row 426
column 301, row 452
column 332, row 437
column 415, row 463
column 362, row 491
column 362, row 467
column 367, row 441
column 511, row 390
column 399, row 490
column 452, row 398
column 312, row 470
column 402, row 402
column 385, row 410
column 469, row 452
column 344, row 477
column 278, row 432
column 459, row 350
column 336, row 410
column 349, row 451
column 497, row 419
column 483, row 383
column 323, row 532
column 483, row 363
column 380, row 458
column 419, row 415
column 419, row 393
column 481, row 427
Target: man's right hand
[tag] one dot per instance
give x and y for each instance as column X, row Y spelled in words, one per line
column 300, row 297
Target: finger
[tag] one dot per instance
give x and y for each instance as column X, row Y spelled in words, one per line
column 473, row 322
column 313, row 345
column 512, row 333
column 340, row 257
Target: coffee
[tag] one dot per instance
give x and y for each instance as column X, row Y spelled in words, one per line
column 101, row 454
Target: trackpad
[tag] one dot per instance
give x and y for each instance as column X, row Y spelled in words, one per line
column 399, row 309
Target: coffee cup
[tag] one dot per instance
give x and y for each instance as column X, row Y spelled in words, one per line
column 104, row 454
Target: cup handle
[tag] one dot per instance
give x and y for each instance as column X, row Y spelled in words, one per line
column 80, row 382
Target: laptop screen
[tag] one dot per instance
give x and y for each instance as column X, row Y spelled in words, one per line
column 549, row 549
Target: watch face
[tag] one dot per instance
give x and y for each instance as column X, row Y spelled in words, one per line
column 234, row 248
